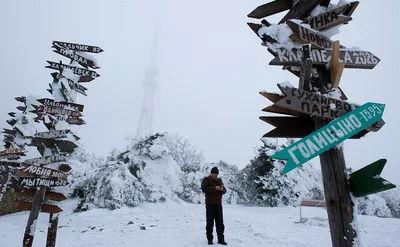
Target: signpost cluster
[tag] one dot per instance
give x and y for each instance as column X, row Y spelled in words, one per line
column 37, row 179
column 317, row 111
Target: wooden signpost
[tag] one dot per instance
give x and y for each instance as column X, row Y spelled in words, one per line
column 322, row 121
column 86, row 75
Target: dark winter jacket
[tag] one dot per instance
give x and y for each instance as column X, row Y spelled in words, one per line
column 213, row 196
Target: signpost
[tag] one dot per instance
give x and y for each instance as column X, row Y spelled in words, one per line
column 320, row 120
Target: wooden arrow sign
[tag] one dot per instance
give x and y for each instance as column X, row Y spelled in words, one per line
column 367, row 180
column 65, row 167
column 75, row 57
column 50, row 195
column 62, row 145
column 351, row 59
column 332, row 18
column 56, row 111
column 70, row 120
column 295, row 127
column 300, row 10
column 37, row 182
column 77, row 87
column 53, row 134
column 76, row 70
column 330, row 135
column 12, row 153
column 65, row 93
column 39, row 171
column 20, row 99
column 305, row 35
column 46, row 208
column 62, row 104
column 46, row 160
column 12, row 121
column 270, row 8
column 10, row 163
column 78, row 47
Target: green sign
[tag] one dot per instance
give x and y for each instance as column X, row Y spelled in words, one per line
column 368, row 181
column 330, row 135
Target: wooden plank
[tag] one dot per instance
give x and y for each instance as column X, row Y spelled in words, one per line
column 313, row 203
column 288, row 127
column 47, row 182
column 61, row 104
column 274, row 97
column 40, row 171
column 46, row 160
column 45, row 208
column 336, row 67
column 64, row 146
column 50, row 195
column 35, row 208
column 270, row 8
column 305, row 69
column 352, row 8
column 305, row 35
column 84, row 73
column 78, row 47
column 83, row 61
column 280, row 110
column 52, row 230
column 53, row 134
column 300, row 10
column 351, row 59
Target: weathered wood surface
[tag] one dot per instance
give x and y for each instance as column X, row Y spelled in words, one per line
column 53, row 134
column 45, row 160
column 35, row 208
column 351, row 59
column 313, row 203
column 39, row 181
column 300, row 10
column 65, row 93
column 336, row 67
column 77, row 87
column 52, row 230
column 63, row 146
column 50, row 195
column 45, row 208
column 305, row 69
column 83, row 61
column 332, row 18
column 78, row 47
column 270, row 8
column 10, row 163
column 65, row 167
column 305, row 35
column 53, row 103
column 76, row 70
column 40, row 171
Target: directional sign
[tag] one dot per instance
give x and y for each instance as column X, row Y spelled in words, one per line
column 270, row 8
column 330, row 135
column 53, row 134
column 55, row 111
column 300, row 10
column 75, row 57
column 368, row 181
column 39, row 171
column 77, row 87
column 333, row 17
column 37, row 182
column 62, row 145
column 62, row 104
column 10, row 163
column 78, row 47
column 12, row 153
column 70, row 120
column 75, row 70
column 305, row 35
column 351, row 59
column 45, row 160
column 53, row 196
column 12, row 121
column 65, row 93
column 303, row 127
column 65, row 167
column 46, row 208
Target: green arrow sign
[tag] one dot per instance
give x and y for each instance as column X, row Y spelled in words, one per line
column 330, row 135
column 368, row 181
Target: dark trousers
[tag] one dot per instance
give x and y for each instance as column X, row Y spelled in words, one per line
column 214, row 213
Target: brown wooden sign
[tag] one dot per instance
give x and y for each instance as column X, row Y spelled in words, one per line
column 332, row 18
column 305, row 35
column 294, row 127
column 56, row 111
column 70, row 120
column 77, row 87
column 46, row 208
column 350, row 58
column 300, row 10
column 21, row 99
column 76, row 70
column 270, row 8
column 12, row 121
column 78, row 47
column 11, row 153
column 75, row 57
column 45, row 160
column 50, row 195
column 65, row 168
column 39, row 171
column 65, row 93
column 11, row 114
column 61, row 145
column 38, row 182
column 53, row 134
column 51, row 102
column 10, row 163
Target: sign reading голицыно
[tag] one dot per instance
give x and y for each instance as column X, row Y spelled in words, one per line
column 330, row 135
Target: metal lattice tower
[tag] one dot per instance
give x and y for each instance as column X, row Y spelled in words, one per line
column 150, row 85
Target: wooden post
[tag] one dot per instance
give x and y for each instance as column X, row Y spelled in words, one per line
column 31, row 225
column 336, row 189
column 52, row 230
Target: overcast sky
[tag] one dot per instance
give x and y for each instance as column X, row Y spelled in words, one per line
column 211, row 65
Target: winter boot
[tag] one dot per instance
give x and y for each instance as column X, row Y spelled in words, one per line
column 210, row 242
column 222, row 241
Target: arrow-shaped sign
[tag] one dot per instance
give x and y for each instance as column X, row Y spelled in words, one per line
column 78, row 47
column 75, row 70
column 50, row 195
column 62, row 104
column 53, row 134
column 351, row 59
column 39, row 171
column 46, row 208
column 37, row 182
column 65, row 93
column 75, row 57
column 270, row 8
column 300, row 10
column 368, row 181
column 62, row 145
column 45, row 160
column 330, row 135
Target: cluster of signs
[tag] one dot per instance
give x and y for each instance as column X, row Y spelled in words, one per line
column 347, row 120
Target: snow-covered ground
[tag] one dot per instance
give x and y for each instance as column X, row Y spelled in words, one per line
column 175, row 225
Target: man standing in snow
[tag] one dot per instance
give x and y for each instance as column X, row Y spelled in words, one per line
column 213, row 188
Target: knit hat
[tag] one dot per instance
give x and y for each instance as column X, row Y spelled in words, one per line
column 214, row 170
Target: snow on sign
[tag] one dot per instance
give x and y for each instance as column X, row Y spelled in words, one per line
column 45, row 160
column 75, row 70
column 351, row 59
column 51, row 102
column 74, row 56
column 305, row 35
column 56, row 111
column 37, row 182
column 78, row 47
column 53, row 134
column 35, row 171
column 330, row 135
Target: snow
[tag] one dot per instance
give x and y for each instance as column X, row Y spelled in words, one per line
column 182, row 225
column 280, row 33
